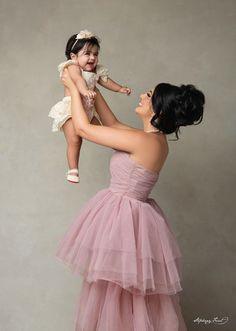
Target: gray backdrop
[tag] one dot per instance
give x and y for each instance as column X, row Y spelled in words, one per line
column 144, row 42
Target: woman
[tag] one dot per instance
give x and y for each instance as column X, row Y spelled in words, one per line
column 121, row 242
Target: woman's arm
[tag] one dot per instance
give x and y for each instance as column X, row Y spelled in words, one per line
column 105, row 113
column 129, row 140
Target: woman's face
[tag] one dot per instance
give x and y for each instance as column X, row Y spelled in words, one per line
column 145, row 105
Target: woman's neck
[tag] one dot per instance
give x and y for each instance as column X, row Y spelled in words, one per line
column 148, row 127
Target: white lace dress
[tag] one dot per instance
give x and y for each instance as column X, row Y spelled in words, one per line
column 61, row 111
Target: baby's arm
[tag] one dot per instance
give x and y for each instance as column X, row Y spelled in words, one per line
column 79, row 81
column 113, row 86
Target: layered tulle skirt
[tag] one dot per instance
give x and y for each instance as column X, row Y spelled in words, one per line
column 131, row 264
column 105, row 306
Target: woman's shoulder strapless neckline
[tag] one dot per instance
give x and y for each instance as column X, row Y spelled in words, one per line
column 136, row 164
column 152, row 172
column 130, row 178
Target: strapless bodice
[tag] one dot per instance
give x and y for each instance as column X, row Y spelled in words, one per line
column 129, row 178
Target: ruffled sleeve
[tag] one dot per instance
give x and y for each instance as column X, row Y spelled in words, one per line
column 64, row 65
column 102, row 72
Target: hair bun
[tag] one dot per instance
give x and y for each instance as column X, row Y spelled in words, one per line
column 176, row 106
column 191, row 102
column 187, row 88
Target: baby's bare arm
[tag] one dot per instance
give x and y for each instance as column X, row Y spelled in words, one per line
column 113, row 86
column 75, row 73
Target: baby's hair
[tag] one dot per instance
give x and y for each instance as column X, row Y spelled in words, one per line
column 74, row 46
column 176, row 106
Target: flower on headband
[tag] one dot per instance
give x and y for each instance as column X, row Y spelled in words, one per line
column 84, row 34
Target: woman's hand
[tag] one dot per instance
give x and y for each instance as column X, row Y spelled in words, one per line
column 89, row 94
column 66, row 79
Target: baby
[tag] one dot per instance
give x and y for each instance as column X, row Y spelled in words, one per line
column 82, row 52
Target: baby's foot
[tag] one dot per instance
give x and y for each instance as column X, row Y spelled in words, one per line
column 72, row 176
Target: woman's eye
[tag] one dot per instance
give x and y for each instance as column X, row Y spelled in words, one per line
column 149, row 94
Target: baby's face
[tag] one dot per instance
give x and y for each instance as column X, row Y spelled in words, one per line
column 87, row 58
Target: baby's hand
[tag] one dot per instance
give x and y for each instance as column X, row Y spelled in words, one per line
column 89, row 93
column 125, row 90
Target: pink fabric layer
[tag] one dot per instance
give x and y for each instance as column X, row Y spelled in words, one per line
column 122, row 236
column 105, row 306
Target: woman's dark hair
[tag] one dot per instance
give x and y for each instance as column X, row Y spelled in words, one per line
column 176, row 106
column 74, row 46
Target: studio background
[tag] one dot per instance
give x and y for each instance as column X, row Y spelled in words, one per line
column 144, row 42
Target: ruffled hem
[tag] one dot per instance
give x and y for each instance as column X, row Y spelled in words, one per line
column 105, row 306
column 138, row 251
column 61, row 112
column 149, row 277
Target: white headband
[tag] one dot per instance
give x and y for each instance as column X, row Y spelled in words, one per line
column 84, row 34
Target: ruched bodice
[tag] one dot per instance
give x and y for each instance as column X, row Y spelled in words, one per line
column 129, row 178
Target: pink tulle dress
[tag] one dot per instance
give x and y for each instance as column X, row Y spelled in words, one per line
column 123, row 246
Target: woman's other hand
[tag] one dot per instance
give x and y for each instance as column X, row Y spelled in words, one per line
column 66, row 79
column 89, row 94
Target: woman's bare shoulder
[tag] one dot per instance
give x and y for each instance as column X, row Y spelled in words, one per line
column 152, row 152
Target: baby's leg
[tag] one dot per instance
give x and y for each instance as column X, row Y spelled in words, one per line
column 74, row 143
